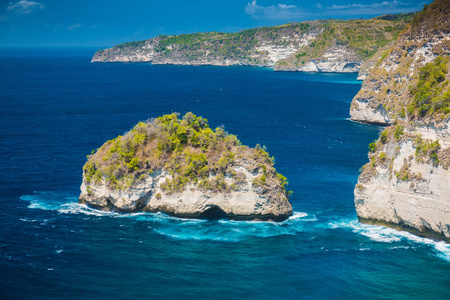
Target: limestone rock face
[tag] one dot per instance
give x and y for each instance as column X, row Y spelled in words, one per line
column 368, row 115
column 406, row 191
column 337, row 59
column 246, row 203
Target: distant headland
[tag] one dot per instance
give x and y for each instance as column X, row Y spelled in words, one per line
column 310, row 46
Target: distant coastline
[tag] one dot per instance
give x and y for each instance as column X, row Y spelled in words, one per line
column 312, row 46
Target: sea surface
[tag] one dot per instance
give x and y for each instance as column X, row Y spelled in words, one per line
column 56, row 107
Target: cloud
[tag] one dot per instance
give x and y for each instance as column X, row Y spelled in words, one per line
column 140, row 31
column 24, row 7
column 272, row 12
column 318, row 10
column 383, row 7
column 74, row 26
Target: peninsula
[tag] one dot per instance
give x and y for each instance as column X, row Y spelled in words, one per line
column 310, row 46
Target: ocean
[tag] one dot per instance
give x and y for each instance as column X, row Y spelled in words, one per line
column 56, row 107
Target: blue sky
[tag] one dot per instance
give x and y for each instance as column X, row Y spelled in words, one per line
column 104, row 23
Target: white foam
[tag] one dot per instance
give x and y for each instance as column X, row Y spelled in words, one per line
column 232, row 231
column 391, row 236
column 173, row 227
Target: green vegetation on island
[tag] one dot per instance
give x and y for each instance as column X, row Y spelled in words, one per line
column 189, row 150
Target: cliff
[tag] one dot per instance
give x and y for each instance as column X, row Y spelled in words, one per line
column 405, row 184
column 312, row 46
column 184, row 168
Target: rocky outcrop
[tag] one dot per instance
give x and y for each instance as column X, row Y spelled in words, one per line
column 339, row 59
column 184, row 169
column 405, row 185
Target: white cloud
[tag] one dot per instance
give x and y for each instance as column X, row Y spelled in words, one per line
column 140, row 31
column 24, row 7
column 318, row 10
column 373, row 8
column 74, row 26
column 273, row 12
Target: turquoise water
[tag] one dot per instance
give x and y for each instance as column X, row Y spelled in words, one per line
column 56, row 107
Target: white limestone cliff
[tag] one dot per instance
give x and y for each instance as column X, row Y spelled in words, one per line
column 246, row 203
column 407, row 190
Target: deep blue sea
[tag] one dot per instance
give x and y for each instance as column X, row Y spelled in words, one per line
column 56, row 107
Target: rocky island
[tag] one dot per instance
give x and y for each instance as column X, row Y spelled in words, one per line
column 184, row 168
column 310, row 46
column 405, row 185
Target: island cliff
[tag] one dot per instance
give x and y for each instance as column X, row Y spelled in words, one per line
column 310, row 46
column 405, row 185
column 183, row 168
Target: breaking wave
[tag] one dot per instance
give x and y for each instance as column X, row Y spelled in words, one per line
column 395, row 237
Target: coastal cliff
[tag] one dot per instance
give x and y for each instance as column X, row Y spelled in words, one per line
column 183, row 168
column 405, row 185
column 310, row 46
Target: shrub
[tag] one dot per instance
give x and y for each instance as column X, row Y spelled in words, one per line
column 427, row 150
column 399, row 130
column 383, row 137
column 429, row 97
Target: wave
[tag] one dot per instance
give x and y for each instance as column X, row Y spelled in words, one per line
column 173, row 227
column 393, row 236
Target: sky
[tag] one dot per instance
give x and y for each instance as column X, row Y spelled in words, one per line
column 104, row 23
